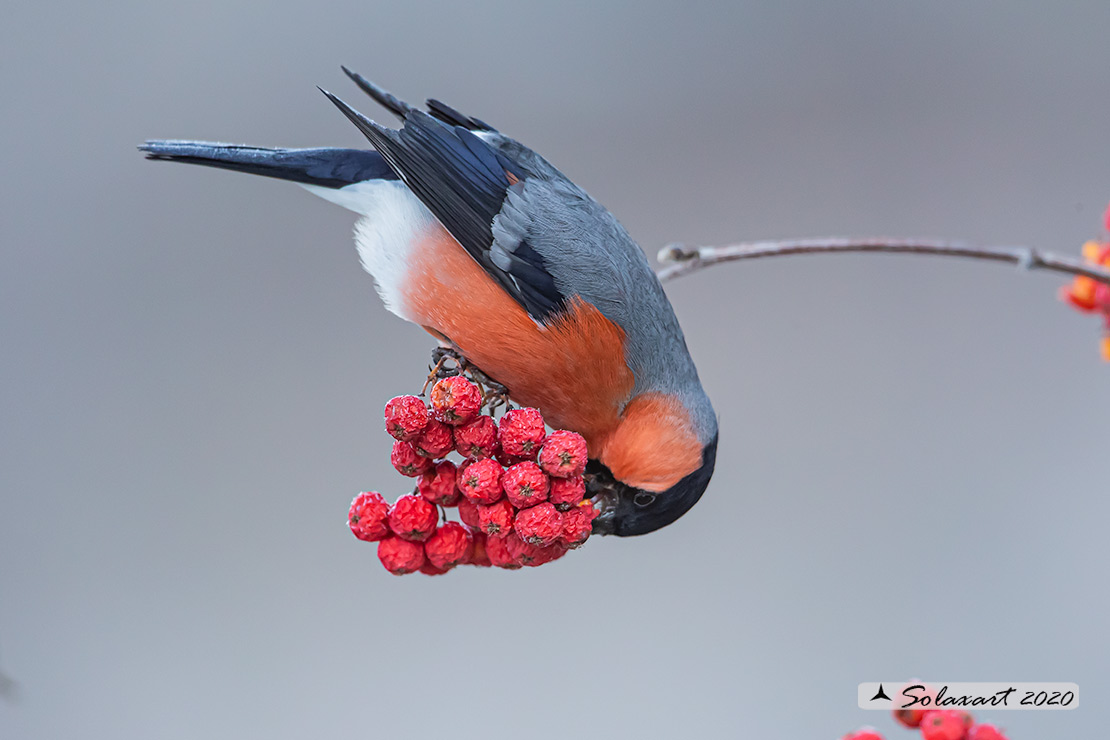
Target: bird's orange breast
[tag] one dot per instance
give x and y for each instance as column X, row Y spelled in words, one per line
column 573, row 369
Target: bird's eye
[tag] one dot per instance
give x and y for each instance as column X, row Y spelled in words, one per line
column 642, row 499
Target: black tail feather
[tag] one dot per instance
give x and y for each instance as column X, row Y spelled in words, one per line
column 327, row 167
column 400, row 108
column 384, row 98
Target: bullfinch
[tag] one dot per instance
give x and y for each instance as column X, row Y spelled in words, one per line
column 483, row 243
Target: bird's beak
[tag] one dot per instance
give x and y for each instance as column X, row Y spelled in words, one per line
column 602, row 490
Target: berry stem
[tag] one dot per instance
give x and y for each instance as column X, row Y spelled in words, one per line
column 683, row 260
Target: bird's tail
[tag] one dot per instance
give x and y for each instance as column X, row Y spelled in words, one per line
column 325, row 167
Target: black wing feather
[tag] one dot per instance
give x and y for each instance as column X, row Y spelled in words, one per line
column 464, row 182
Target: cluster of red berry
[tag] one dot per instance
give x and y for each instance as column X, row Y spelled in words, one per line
column 1089, row 295
column 936, row 724
column 519, row 490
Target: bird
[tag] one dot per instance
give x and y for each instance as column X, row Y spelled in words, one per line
column 483, row 243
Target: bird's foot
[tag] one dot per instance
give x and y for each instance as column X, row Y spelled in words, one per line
column 447, row 362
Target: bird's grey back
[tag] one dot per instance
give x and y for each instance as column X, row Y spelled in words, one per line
column 589, row 252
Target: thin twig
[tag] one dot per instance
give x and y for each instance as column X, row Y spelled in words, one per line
column 684, row 260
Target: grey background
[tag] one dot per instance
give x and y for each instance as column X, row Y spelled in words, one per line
column 913, row 468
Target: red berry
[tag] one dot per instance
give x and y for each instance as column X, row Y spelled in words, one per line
column 985, row 732
column 400, row 556
column 455, row 400
column 477, row 439
column 578, row 525
column 480, row 481
column 540, row 525
column 413, row 518
column 367, row 517
column 407, row 461
column 911, row 717
column 496, row 520
column 430, row 570
column 867, row 733
column 435, row 442
column 468, row 513
column 565, row 493
column 943, row 724
column 521, row 432
column 563, row 454
column 530, row 555
column 478, row 555
column 499, row 554
column 405, row 417
column 525, row 485
column 438, row 485
column 450, row 545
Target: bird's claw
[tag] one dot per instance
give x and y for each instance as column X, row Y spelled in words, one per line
column 447, row 362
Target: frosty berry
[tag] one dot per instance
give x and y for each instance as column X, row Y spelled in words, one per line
column 496, row 519
column 563, row 454
column 405, row 417
column 477, row 439
column 455, row 400
column 438, row 485
column 521, row 433
column 539, row 525
column 480, row 481
column 408, row 461
column 525, row 485
column 413, row 518
column 368, row 517
column 450, row 545
column 435, row 441
column 400, row 556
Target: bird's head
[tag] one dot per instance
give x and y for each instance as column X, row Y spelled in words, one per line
column 652, row 469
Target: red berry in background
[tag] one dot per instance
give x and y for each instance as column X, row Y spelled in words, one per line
column 539, row 525
column 438, row 484
column 521, row 433
column 578, row 525
column 563, row 454
column 400, row 556
column 367, row 517
column 405, row 417
column 407, row 461
column 499, row 554
column 430, row 570
column 943, row 724
column 413, row 518
column 478, row 554
column 480, row 481
column 566, row 492
column 468, row 513
column 496, row 519
column 866, row 733
column 530, row 555
column 477, row 439
column 435, row 442
column 450, row 545
column 911, row 717
column 525, row 485
column 455, row 400
column 985, row 732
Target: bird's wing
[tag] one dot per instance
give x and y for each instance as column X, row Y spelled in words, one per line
column 465, row 182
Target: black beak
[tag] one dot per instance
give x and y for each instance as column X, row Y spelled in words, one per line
column 604, row 491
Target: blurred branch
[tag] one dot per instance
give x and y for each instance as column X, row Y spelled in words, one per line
column 683, row 260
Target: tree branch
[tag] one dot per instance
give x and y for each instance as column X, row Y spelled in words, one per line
column 683, row 260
